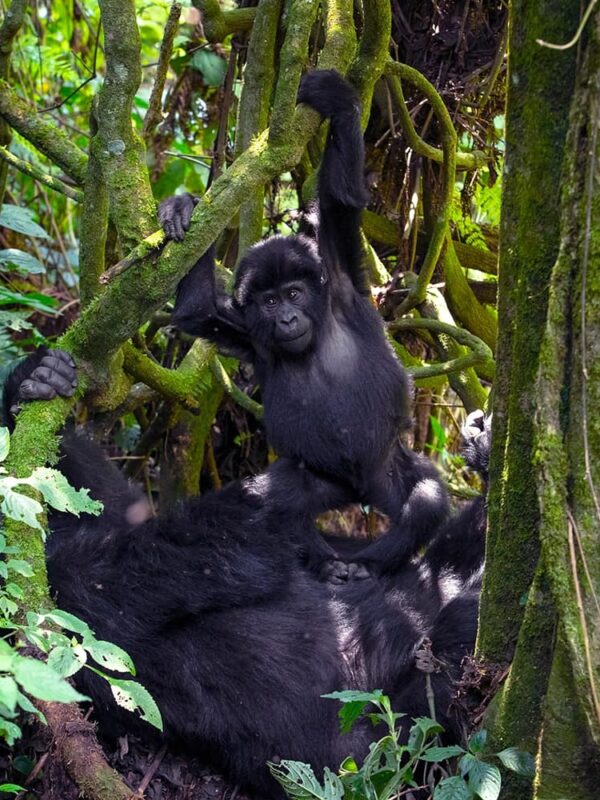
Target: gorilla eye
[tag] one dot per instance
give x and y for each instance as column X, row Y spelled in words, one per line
column 270, row 301
column 294, row 294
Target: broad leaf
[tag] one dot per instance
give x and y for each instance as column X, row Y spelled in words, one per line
column 442, row 753
column 69, row 621
column 66, row 661
column 477, row 741
column 453, row 788
column 17, row 506
column 20, row 567
column 9, row 691
column 518, row 761
column 39, row 680
column 22, row 261
column 110, row 656
column 300, row 783
column 134, row 697
column 483, row 778
column 59, row 494
column 21, row 220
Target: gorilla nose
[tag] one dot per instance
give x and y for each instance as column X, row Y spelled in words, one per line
column 289, row 322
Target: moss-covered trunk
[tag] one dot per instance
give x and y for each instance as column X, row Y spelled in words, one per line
column 540, row 602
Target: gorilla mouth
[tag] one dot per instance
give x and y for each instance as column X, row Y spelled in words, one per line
column 295, row 344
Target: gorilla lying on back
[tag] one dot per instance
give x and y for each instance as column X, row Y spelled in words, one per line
column 235, row 641
column 334, row 393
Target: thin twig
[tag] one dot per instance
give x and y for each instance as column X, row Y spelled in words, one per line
column 150, row 772
column 37, row 174
column 154, row 113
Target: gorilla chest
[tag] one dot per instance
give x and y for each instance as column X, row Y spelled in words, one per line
column 324, row 410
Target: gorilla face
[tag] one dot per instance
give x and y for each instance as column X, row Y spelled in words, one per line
column 284, row 308
column 282, row 294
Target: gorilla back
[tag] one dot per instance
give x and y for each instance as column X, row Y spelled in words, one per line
column 235, row 641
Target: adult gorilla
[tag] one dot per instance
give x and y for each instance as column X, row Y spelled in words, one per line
column 233, row 638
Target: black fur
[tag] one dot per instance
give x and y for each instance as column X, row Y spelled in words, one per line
column 334, row 393
column 235, row 641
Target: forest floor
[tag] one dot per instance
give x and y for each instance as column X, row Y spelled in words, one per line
column 150, row 771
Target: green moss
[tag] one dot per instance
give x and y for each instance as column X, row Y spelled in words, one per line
column 517, row 712
column 540, row 87
column 47, row 137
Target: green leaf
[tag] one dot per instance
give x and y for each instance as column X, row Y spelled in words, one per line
column 438, row 430
column 9, row 731
column 39, row 680
column 110, row 656
column 66, row 661
column 484, row 778
column 453, row 788
column 352, row 696
column 300, row 783
column 210, row 65
column 477, row 741
column 21, row 220
column 59, row 493
column 518, row 761
column 442, row 753
column 134, row 697
column 69, row 621
column 32, row 300
column 4, row 443
column 422, row 729
column 20, row 567
column 11, row 787
column 26, row 705
column 9, row 692
column 354, row 703
column 349, row 765
column 17, row 506
column 14, row 590
column 24, row 262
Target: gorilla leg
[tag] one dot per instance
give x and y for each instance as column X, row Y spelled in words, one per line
column 409, row 490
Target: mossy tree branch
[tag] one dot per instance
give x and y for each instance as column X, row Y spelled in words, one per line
column 440, row 230
column 11, row 25
column 46, row 137
column 94, row 223
column 118, row 148
column 218, row 23
column 466, row 382
column 299, row 20
column 154, row 112
column 373, row 50
column 540, row 87
column 39, row 175
column 253, row 112
column 480, row 353
column 415, row 142
column 463, row 304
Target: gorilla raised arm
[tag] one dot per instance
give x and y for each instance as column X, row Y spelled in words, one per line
column 334, row 393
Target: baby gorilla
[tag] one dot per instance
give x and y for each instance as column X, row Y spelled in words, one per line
column 334, row 393
column 235, row 641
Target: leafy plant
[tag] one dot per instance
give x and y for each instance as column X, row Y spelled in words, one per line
column 67, row 641
column 391, row 767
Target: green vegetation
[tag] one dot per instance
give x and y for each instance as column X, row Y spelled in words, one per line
column 483, row 181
